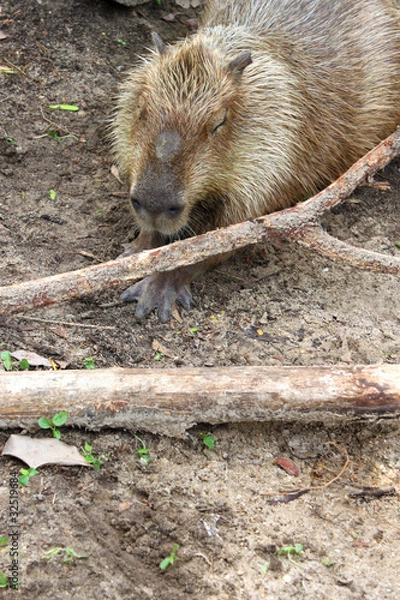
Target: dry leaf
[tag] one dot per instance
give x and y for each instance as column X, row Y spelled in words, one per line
column 287, row 465
column 44, row 451
column 158, row 347
column 60, row 331
column 35, row 360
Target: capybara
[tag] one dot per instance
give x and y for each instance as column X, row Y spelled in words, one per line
column 267, row 103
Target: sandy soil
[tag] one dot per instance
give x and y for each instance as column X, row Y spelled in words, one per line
column 221, row 506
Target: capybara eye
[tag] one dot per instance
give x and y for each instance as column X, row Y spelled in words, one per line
column 219, row 120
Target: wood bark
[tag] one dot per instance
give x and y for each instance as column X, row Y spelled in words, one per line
column 170, row 401
column 298, row 224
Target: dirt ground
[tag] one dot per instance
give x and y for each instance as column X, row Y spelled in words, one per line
column 271, row 305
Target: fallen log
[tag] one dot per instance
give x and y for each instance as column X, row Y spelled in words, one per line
column 171, row 401
column 298, row 224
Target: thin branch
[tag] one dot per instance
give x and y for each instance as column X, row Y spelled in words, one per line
column 298, row 223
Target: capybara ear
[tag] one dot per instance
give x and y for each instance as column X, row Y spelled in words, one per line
column 238, row 64
column 158, row 42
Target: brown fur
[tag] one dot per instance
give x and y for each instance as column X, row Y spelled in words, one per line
column 205, row 138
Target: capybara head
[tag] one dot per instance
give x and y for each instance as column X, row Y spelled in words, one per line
column 173, row 131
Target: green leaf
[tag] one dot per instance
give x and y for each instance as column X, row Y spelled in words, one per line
column 60, row 418
column 52, row 194
column 165, row 563
column 44, row 423
column 57, row 434
column 297, row 549
column 327, row 562
column 54, row 135
column 24, row 364
column 70, row 107
column 7, row 360
column 209, row 441
column 70, row 552
column 26, row 474
column 51, row 553
column 89, row 363
column 3, row 541
column 169, row 560
column 3, row 580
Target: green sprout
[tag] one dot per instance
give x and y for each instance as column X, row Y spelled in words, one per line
column 88, row 363
column 208, row 440
column 289, row 550
column 52, row 194
column 24, row 364
column 26, row 474
column 3, row 580
column 58, row 420
column 87, row 454
column 327, row 562
column 143, row 453
column 169, row 560
column 5, row 356
column 70, row 554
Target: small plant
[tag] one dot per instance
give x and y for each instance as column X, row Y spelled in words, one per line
column 208, row 440
column 264, row 568
column 52, row 194
column 3, row 580
column 169, row 560
column 289, row 550
column 88, row 363
column 87, row 453
column 58, row 420
column 5, row 356
column 158, row 356
column 24, row 364
column 70, row 554
column 143, row 453
column 120, row 41
column 327, row 562
column 26, row 475
column 3, row 542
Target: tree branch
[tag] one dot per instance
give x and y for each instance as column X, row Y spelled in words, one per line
column 298, row 223
column 170, row 401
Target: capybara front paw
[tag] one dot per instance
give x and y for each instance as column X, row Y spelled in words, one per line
column 159, row 292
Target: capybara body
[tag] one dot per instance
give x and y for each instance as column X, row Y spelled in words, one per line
column 267, row 103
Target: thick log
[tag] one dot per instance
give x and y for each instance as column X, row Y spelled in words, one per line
column 170, row 401
column 298, row 224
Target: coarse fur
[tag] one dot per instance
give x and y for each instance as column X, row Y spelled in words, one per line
column 206, row 136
